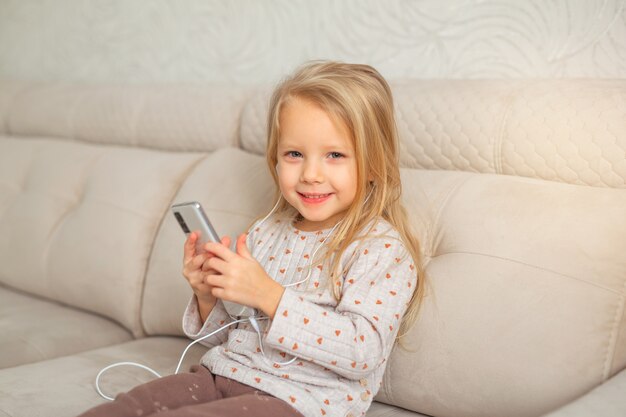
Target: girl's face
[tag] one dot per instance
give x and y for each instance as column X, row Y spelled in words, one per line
column 316, row 168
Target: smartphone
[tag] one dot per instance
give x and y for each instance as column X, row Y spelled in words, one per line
column 192, row 218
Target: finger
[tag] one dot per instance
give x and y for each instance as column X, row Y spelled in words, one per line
column 216, row 263
column 218, row 292
column 220, row 250
column 225, row 242
column 215, row 280
column 189, row 248
column 206, row 268
column 242, row 247
column 198, row 260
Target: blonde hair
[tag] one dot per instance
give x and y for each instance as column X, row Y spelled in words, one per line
column 359, row 97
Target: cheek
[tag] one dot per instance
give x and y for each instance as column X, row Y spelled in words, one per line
column 285, row 178
column 347, row 180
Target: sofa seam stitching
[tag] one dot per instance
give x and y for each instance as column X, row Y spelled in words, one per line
column 602, row 287
column 429, row 234
column 445, row 201
column 63, row 218
column 497, row 146
column 614, row 336
column 510, row 100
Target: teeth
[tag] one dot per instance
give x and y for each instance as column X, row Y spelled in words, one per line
column 315, row 195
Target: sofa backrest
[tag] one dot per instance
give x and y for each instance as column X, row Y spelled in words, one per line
column 87, row 174
column 77, row 221
column 527, row 279
column 176, row 117
column 526, row 293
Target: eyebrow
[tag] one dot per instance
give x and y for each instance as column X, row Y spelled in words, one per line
column 287, row 144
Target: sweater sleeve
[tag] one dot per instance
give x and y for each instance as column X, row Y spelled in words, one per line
column 357, row 335
column 218, row 317
column 195, row 329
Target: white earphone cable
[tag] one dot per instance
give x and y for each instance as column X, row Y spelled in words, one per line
column 106, row 397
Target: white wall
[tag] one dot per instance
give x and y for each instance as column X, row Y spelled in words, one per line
column 251, row 41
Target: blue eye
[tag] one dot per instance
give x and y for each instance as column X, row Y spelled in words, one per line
column 335, row 155
column 293, row 154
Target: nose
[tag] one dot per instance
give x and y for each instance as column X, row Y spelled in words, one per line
column 312, row 172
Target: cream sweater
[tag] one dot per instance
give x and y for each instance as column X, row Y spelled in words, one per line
column 341, row 347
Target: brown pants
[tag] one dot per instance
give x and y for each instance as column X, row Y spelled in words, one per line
column 196, row 393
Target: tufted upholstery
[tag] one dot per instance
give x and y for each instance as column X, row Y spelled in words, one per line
column 516, row 189
column 559, row 130
column 77, row 221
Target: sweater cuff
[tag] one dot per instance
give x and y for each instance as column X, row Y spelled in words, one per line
column 193, row 326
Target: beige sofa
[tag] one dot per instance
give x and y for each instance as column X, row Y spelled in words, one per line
column 516, row 188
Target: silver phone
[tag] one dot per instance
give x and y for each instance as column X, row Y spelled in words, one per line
column 192, row 218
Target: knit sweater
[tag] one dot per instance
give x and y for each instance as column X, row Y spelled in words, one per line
column 341, row 347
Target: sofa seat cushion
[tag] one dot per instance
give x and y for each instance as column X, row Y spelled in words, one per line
column 74, row 377
column 65, row 387
column 385, row 410
column 34, row 329
column 607, row 400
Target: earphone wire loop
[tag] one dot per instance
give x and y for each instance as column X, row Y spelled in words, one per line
column 114, row 365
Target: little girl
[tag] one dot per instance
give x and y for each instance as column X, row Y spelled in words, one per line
column 332, row 270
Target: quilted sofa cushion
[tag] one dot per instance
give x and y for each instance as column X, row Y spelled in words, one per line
column 561, row 130
column 527, row 284
column 77, row 221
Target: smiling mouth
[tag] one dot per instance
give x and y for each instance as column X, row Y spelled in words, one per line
column 314, row 196
column 314, row 199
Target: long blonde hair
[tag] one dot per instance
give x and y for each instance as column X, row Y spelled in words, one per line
column 358, row 96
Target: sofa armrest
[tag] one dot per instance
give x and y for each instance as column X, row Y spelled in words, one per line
column 606, row 400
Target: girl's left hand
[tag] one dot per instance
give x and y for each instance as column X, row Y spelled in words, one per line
column 242, row 279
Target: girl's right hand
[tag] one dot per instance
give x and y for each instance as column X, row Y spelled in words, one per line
column 194, row 271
